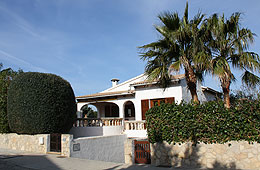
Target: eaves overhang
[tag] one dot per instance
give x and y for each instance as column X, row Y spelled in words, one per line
column 104, row 96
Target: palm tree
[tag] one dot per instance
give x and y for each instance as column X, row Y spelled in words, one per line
column 229, row 48
column 182, row 43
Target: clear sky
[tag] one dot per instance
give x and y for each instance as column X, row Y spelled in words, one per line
column 89, row 42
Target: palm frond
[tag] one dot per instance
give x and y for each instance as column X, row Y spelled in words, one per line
column 250, row 79
column 202, row 61
column 176, row 66
column 171, row 21
column 199, row 76
column 186, row 14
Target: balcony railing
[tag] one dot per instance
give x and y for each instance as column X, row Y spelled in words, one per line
column 88, row 122
column 135, row 125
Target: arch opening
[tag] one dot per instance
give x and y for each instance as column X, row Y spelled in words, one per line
column 129, row 111
column 111, row 110
column 89, row 111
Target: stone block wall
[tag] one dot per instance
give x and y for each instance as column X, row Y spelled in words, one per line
column 29, row 143
column 129, row 151
column 66, row 140
column 232, row 155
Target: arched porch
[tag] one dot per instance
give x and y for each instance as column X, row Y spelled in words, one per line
column 129, row 110
column 113, row 117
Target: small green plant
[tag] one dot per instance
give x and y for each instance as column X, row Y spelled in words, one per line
column 40, row 103
column 209, row 122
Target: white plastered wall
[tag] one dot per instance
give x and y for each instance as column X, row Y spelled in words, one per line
column 154, row 93
column 178, row 90
column 202, row 95
column 141, row 94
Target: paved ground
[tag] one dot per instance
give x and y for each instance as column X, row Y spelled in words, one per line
column 15, row 160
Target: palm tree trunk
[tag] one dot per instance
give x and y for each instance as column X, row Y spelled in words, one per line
column 226, row 91
column 192, row 84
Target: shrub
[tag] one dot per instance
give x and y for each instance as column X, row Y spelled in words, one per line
column 40, row 103
column 210, row 122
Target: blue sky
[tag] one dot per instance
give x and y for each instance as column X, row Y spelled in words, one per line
column 89, row 42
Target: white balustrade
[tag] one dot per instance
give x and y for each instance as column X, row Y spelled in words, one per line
column 135, row 125
column 86, row 122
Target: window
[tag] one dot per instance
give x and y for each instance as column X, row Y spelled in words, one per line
column 157, row 102
column 154, row 102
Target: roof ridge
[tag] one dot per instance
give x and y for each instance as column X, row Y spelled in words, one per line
column 123, row 83
column 173, row 77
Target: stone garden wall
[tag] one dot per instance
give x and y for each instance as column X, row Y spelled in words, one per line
column 66, row 140
column 29, row 143
column 34, row 143
column 129, row 151
column 232, row 155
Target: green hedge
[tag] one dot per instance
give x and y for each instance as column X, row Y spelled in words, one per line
column 40, row 103
column 6, row 77
column 4, row 127
column 210, row 122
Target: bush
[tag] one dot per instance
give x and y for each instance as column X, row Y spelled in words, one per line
column 40, row 103
column 210, row 122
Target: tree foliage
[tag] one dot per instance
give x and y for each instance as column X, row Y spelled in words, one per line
column 6, row 76
column 201, row 45
column 182, row 44
column 229, row 45
column 40, row 103
column 89, row 112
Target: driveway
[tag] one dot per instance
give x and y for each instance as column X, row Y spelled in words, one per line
column 15, row 160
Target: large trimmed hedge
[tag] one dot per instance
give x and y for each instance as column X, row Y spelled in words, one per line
column 6, row 77
column 40, row 103
column 210, row 122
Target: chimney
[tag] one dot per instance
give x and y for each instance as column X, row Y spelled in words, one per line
column 114, row 82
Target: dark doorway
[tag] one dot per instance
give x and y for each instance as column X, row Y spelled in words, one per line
column 111, row 110
column 55, row 142
column 129, row 111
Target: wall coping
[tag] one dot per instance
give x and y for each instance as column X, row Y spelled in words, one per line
column 96, row 137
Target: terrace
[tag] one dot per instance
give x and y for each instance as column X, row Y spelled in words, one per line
column 84, row 127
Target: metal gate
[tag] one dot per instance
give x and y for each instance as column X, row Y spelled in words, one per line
column 55, row 142
column 142, row 152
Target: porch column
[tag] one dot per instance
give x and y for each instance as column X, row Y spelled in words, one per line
column 138, row 110
column 121, row 110
column 98, row 112
column 80, row 105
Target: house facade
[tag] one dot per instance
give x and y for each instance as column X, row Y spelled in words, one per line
column 125, row 104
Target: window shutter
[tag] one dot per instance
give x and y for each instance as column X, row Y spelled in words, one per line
column 151, row 103
column 170, row 100
column 145, row 107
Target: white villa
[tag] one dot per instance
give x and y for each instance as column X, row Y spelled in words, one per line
column 121, row 108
